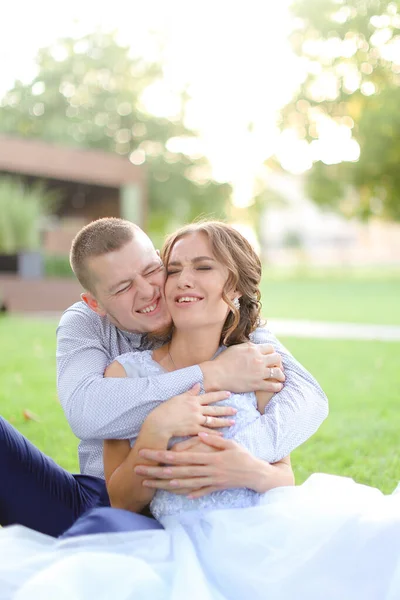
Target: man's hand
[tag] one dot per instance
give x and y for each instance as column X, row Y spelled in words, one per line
column 245, row 368
column 202, row 465
column 191, row 413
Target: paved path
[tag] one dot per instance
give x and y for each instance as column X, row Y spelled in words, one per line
column 307, row 329
column 340, row 331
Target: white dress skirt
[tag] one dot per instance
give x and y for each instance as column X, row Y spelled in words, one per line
column 328, row 539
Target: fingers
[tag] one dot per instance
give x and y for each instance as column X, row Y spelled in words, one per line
column 195, row 390
column 177, row 458
column 189, row 484
column 269, row 385
column 211, row 397
column 202, row 492
column 186, row 444
column 266, row 348
column 172, row 472
column 273, row 360
column 214, row 422
column 219, row 411
column 216, row 442
column 275, row 373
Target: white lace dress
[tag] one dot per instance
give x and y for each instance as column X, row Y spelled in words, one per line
column 165, row 503
column 328, row 539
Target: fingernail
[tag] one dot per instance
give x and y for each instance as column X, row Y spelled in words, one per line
column 231, row 422
column 174, row 483
column 202, row 434
column 140, row 470
column 190, row 497
column 228, row 393
column 234, row 411
column 146, row 483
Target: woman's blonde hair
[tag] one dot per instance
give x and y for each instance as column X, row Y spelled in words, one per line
column 232, row 250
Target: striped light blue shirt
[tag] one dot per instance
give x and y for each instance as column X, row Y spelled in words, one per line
column 99, row 408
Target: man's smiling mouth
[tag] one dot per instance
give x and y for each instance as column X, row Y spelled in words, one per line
column 150, row 308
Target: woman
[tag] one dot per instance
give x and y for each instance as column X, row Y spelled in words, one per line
column 329, row 538
column 212, row 293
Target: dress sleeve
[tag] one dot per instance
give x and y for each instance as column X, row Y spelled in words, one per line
column 292, row 415
column 106, row 408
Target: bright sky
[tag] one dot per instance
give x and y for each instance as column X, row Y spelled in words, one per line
column 233, row 56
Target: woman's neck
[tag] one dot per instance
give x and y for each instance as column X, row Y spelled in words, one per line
column 193, row 347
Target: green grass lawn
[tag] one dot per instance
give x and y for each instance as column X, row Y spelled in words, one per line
column 341, row 296
column 359, row 439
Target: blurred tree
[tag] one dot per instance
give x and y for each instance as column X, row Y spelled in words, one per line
column 89, row 93
column 351, row 53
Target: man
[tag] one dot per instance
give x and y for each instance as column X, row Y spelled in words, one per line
column 123, row 309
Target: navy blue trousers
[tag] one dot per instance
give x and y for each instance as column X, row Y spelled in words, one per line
column 110, row 520
column 36, row 492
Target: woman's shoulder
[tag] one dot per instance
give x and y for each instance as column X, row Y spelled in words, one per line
column 139, row 363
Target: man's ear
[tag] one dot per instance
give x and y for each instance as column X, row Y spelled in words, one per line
column 92, row 303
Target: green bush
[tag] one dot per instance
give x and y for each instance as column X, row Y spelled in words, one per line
column 57, row 266
column 23, row 211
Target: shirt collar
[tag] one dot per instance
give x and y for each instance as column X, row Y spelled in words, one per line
column 135, row 339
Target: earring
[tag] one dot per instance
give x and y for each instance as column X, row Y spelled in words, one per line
column 236, row 303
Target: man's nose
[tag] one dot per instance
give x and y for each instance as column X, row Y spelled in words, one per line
column 145, row 288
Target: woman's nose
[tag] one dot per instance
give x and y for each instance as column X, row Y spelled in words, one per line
column 185, row 279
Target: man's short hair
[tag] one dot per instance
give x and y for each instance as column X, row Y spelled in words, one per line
column 95, row 239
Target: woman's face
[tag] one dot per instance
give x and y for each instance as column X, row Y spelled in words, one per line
column 195, row 280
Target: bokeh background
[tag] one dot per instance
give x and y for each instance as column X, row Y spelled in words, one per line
column 279, row 117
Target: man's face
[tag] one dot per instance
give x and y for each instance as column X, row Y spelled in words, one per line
column 129, row 287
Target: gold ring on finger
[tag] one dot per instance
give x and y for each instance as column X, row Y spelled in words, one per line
column 271, row 373
column 206, row 420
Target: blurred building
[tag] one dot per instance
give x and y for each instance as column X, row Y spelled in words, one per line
column 297, row 231
column 92, row 183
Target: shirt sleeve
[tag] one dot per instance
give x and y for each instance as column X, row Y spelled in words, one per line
column 291, row 416
column 104, row 408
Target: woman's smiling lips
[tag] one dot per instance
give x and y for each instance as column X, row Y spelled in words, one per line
column 185, row 300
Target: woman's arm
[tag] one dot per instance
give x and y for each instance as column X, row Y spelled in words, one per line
column 124, row 486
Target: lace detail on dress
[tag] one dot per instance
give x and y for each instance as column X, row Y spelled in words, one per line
column 142, row 360
column 165, row 503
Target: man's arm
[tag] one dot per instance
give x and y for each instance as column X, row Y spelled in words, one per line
column 291, row 416
column 101, row 408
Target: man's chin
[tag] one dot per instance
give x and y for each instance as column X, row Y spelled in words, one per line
column 163, row 332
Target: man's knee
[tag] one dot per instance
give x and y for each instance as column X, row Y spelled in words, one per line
column 107, row 520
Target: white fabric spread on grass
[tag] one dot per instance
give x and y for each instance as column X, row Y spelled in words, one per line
column 329, row 539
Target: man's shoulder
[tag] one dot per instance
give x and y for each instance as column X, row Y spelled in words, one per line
column 262, row 335
column 80, row 315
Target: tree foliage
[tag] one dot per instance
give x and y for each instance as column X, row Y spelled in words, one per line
column 351, row 51
column 89, row 93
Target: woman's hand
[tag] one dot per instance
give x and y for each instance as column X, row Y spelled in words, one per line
column 191, row 413
column 209, row 463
